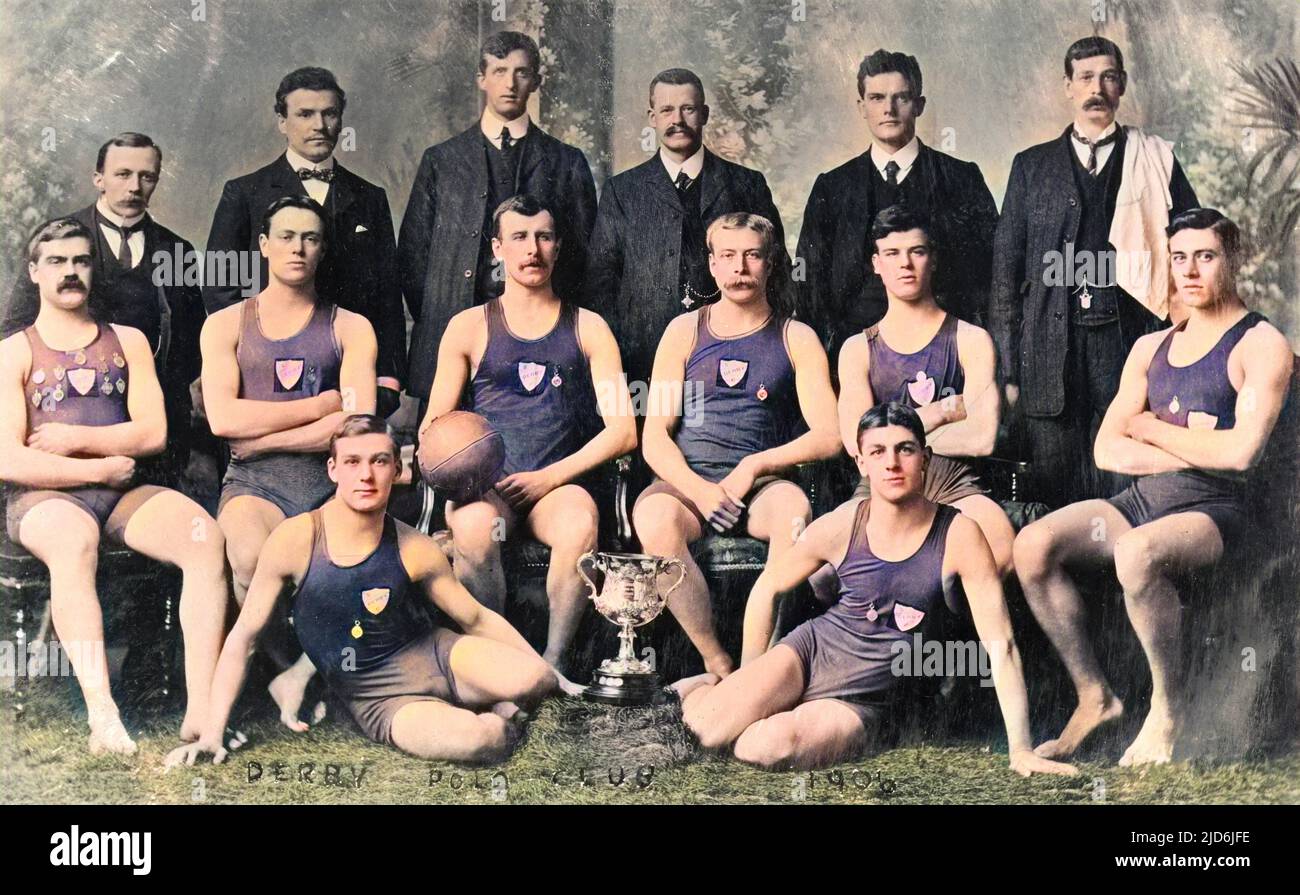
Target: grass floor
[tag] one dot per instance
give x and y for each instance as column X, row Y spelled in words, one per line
column 573, row 753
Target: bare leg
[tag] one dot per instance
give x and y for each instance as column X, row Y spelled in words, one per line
column 1083, row 533
column 778, row 515
column 438, row 731
column 816, row 734
column 666, row 528
column 487, row 672
column 566, row 520
column 66, row 538
column 1146, row 560
column 995, row 525
column 719, row 714
column 172, row 528
column 478, row 530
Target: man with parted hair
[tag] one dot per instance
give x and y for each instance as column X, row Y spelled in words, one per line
column 80, row 403
column 1080, row 272
column 648, row 260
column 445, row 243
column 741, row 394
column 839, row 294
column 360, row 584
column 134, row 284
column 1193, row 414
column 359, row 273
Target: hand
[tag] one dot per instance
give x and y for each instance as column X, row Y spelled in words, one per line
column 1140, row 427
column 1012, row 392
column 717, row 506
column 330, row 401
column 56, row 438
column 196, row 398
column 523, row 489
column 243, row 448
column 188, row 753
column 116, row 472
column 740, row 481
column 1025, row 763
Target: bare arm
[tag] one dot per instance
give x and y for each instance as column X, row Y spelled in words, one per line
column 974, row 433
column 231, row 416
column 664, row 412
column 452, row 374
column 856, row 397
column 972, row 561
column 1266, row 361
column 816, row 402
column 1115, row 450
column 144, row 434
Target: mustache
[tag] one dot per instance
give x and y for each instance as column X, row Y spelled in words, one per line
column 740, row 282
column 1097, row 102
column 72, row 283
column 680, row 129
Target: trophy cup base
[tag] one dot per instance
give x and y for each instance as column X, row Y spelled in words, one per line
column 624, row 688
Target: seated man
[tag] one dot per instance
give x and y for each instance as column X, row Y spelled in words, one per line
column 538, row 368
column 818, row 696
column 736, row 380
column 79, row 402
column 924, row 357
column 281, row 370
column 359, row 582
column 1193, row 414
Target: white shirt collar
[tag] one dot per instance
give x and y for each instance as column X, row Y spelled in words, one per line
column 491, row 125
column 1103, row 152
column 102, row 207
column 692, row 166
column 297, row 162
column 904, row 157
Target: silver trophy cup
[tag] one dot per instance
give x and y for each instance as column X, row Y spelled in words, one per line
column 629, row 598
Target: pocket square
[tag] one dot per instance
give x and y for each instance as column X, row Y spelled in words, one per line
column 361, row 228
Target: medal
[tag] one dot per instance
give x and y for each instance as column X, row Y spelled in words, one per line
column 38, row 377
column 872, row 614
column 1085, row 297
column 118, row 360
column 106, row 387
column 762, row 392
column 1173, row 405
column 556, row 380
column 80, row 357
column 121, row 386
column 356, row 630
column 36, row 398
column 102, row 367
column 59, row 394
column 311, row 375
column 58, row 372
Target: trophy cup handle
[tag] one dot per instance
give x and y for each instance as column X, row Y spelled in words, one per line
column 589, row 555
column 681, row 575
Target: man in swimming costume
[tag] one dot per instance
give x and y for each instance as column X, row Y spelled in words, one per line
column 79, row 403
column 819, row 696
column 548, row 376
column 734, row 385
column 361, row 585
column 1193, row 414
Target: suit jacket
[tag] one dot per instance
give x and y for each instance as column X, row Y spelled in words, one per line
column 359, row 270
column 172, row 324
column 634, row 269
column 439, row 241
column 1027, row 318
column 834, row 243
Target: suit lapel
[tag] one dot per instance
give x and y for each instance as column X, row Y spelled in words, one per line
column 341, row 193
column 1062, row 164
column 655, row 182
column 284, row 178
column 533, row 151
column 710, row 183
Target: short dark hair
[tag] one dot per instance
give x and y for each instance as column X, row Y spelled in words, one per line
column 527, row 205
column 59, row 228
column 676, row 77
column 882, row 61
column 1212, row 219
column 129, row 139
column 503, row 43
column 365, row 424
column 1088, row 47
column 892, row 413
column 900, row 219
column 295, row 201
column 309, row 78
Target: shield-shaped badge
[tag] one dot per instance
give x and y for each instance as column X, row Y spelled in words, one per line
column 82, row 379
column 531, row 374
column 921, row 389
column 375, row 599
column 732, row 371
column 288, row 373
column 1198, row 419
column 906, row 617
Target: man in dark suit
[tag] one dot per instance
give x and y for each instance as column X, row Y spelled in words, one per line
column 359, row 271
column 839, row 294
column 1080, row 272
column 139, row 275
column 445, row 245
column 648, row 260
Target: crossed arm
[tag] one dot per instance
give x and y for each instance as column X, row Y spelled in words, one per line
column 1116, row 449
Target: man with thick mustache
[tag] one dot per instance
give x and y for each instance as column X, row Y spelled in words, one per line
column 648, row 260
column 360, row 271
column 1080, row 271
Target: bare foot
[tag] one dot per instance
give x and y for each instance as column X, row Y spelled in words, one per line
column 510, row 712
column 108, row 735
column 1088, row 716
column 318, row 713
column 1154, row 743
column 288, row 690
column 687, row 685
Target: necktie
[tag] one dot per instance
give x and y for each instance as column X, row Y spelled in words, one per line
column 891, row 172
column 1093, row 146
column 506, row 141
column 683, row 183
column 124, row 250
column 324, row 174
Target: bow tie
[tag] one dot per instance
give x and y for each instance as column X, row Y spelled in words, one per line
column 324, row 174
column 1094, row 145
